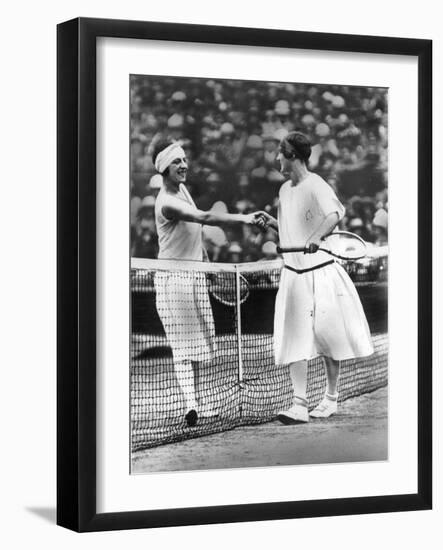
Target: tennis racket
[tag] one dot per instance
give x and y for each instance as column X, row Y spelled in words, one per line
column 340, row 244
column 223, row 288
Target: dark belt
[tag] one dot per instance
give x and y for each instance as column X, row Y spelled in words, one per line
column 309, row 268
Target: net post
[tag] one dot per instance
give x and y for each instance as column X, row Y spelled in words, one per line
column 238, row 308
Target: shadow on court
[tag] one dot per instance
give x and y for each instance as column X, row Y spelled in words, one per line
column 358, row 433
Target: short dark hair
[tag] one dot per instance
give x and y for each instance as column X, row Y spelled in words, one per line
column 297, row 146
column 158, row 148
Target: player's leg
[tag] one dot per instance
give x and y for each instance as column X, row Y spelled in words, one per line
column 204, row 344
column 293, row 338
column 328, row 405
column 204, row 408
column 332, row 375
column 299, row 411
column 184, row 372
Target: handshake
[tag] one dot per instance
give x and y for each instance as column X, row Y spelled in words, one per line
column 261, row 219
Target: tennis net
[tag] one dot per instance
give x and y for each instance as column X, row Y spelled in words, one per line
column 221, row 316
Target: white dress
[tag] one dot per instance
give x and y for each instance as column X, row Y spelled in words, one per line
column 182, row 298
column 317, row 312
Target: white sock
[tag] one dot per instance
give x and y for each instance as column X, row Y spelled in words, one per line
column 331, row 396
column 184, row 372
column 299, row 378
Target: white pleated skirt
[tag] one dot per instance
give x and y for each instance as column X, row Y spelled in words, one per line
column 184, row 309
column 319, row 313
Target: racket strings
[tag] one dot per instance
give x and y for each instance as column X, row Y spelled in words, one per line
column 344, row 245
column 223, row 287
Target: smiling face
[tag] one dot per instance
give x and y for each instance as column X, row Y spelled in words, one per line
column 178, row 170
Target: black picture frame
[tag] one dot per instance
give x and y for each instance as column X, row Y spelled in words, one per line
column 76, row 278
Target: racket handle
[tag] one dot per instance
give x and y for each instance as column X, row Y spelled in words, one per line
column 281, row 249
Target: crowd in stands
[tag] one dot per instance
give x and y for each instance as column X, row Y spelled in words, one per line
column 230, row 131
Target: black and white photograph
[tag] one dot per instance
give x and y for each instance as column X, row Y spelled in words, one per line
column 258, row 273
column 244, row 275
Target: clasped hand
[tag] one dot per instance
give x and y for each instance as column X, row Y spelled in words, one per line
column 262, row 219
column 312, row 245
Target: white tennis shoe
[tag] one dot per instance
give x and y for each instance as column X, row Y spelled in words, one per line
column 297, row 414
column 326, row 408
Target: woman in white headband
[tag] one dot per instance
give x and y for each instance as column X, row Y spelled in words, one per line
column 182, row 298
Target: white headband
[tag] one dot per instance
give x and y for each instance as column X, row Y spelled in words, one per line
column 165, row 157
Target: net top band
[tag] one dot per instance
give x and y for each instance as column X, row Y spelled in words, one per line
column 188, row 265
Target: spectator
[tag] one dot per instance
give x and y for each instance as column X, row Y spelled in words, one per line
column 235, row 252
column 145, row 243
column 380, row 223
column 269, row 250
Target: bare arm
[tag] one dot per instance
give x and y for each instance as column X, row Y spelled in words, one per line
column 188, row 213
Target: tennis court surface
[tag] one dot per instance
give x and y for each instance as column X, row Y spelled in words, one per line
column 358, row 433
